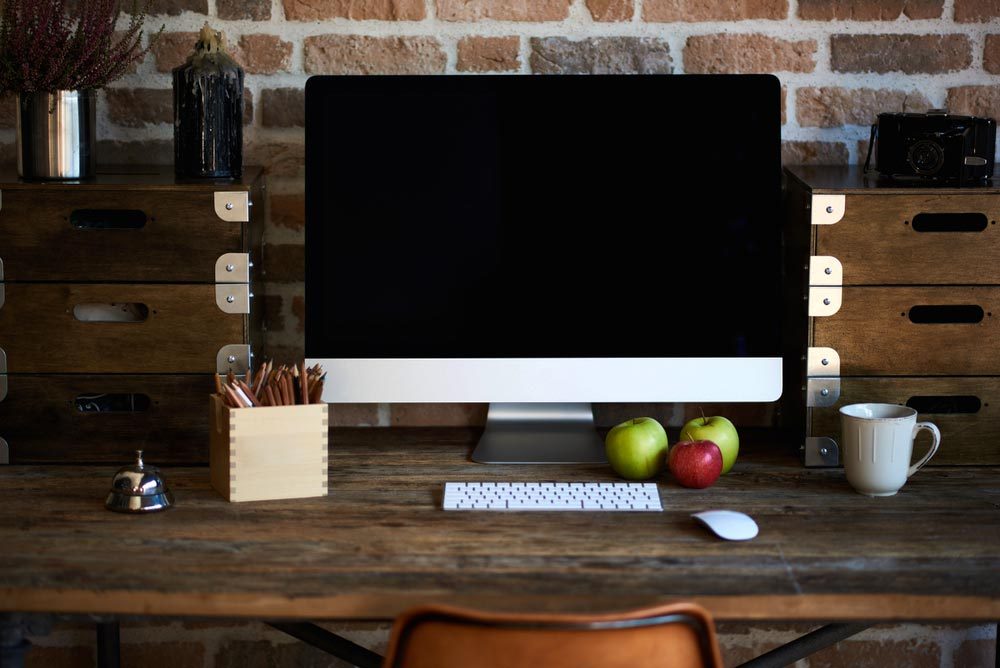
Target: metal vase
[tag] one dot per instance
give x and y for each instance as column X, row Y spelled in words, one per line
column 56, row 134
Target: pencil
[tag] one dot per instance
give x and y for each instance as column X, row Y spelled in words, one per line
column 304, row 383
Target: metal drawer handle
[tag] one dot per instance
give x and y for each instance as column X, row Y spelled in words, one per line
column 942, row 404
column 123, row 402
column 124, row 312
column 107, row 219
column 941, row 314
column 949, row 222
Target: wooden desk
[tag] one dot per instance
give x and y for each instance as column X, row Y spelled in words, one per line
column 379, row 543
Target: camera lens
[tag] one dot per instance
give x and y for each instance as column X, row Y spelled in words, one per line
column 926, row 157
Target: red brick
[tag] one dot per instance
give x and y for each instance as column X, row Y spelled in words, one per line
column 145, row 151
column 172, row 49
column 670, row 11
column 274, row 319
column 284, row 263
column 283, row 107
column 247, row 106
column 784, row 104
column 813, row 153
column 162, row 654
column 869, row 10
column 353, row 415
column 502, row 10
column 910, row 54
column 975, row 654
column 991, row 54
column 438, row 415
column 600, row 55
column 878, row 654
column 299, row 311
column 976, row 11
column 356, row 54
column 175, row 7
column 832, row 107
column 139, row 107
column 278, row 158
column 289, row 211
column 263, row 54
column 488, row 54
column 380, row 10
column 234, row 10
column 611, row 10
column 981, row 101
column 719, row 54
column 61, row 657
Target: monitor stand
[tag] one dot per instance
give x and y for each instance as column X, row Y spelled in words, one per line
column 540, row 434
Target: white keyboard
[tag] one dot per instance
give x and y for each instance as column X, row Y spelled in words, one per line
column 596, row 496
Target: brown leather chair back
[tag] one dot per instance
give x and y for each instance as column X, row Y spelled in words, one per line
column 678, row 635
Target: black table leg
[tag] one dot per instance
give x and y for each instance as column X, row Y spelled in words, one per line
column 331, row 643
column 108, row 645
column 802, row 647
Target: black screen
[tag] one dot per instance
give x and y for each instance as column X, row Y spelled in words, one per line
column 543, row 216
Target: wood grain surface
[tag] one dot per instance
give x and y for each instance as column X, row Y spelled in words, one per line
column 379, row 543
column 183, row 332
column 180, row 241
column 966, row 438
column 877, row 245
column 874, row 335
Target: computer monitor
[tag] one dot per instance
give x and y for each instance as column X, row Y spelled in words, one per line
column 543, row 242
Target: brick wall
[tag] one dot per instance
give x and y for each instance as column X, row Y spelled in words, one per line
column 841, row 61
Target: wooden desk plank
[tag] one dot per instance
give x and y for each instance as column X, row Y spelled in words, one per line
column 379, row 543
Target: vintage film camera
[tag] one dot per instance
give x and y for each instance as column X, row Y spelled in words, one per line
column 935, row 146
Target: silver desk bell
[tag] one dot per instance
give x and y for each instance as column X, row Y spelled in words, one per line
column 138, row 488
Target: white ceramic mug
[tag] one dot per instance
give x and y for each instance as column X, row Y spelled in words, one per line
column 877, row 446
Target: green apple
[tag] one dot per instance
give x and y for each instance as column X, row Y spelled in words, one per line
column 637, row 449
column 720, row 431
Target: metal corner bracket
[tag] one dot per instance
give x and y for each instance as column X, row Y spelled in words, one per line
column 822, row 363
column 820, row 451
column 824, row 300
column 822, row 392
column 828, row 209
column 825, row 270
column 233, row 297
column 233, row 268
column 234, row 357
column 233, row 206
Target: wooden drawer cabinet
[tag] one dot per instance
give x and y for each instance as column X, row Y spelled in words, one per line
column 901, row 288
column 119, row 297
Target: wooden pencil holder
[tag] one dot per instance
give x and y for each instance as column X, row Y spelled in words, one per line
column 268, row 452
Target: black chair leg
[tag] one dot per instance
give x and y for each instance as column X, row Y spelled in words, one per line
column 108, row 645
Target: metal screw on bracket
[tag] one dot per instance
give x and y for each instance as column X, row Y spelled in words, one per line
column 823, row 451
column 229, row 206
column 230, row 298
column 824, row 362
column 826, row 301
column 231, row 358
column 232, row 267
column 829, row 209
column 824, row 392
column 828, row 271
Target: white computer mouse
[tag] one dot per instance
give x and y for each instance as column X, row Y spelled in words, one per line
column 728, row 524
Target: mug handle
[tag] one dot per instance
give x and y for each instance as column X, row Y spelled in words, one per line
column 935, row 434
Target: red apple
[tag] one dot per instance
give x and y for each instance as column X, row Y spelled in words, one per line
column 695, row 464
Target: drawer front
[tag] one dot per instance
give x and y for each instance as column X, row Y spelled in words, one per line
column 103, row 418
column 170, row 328
column 75, row 234
column 916, row 239
column 967, row 410
column 914, row 331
